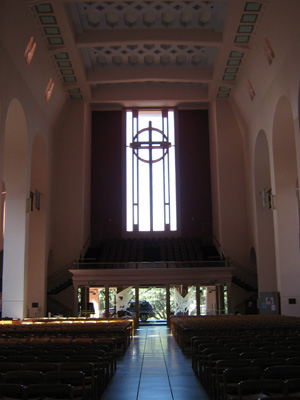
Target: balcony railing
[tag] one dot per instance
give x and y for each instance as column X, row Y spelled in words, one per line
column 83, row 264
column 239, row 271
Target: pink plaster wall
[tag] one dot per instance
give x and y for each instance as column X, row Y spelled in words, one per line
column 271, row 82
column 69, row 209
column 229, row 181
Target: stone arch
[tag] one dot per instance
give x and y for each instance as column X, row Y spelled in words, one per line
column 266, row 259
column 15, row 178
column 37, row 263
column 286, row 213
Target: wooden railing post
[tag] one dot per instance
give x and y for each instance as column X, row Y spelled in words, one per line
column 198, row 299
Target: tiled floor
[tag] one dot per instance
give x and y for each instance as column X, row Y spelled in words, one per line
column 154, row 368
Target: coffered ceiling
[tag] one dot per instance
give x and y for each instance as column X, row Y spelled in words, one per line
column 144, row 53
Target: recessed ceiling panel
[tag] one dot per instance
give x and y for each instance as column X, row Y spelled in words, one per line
column 149, row 84
column 150, row 55
column 110, row 15
column 148, row 14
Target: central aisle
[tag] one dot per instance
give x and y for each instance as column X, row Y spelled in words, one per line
column 154, row 368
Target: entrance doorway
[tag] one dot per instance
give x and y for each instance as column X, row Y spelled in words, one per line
column 151, row 304
column 121, row 302
column 110, row 302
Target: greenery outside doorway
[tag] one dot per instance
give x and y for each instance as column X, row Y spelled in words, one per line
column 155, row 298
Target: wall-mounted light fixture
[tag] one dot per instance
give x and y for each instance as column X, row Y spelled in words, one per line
column 29, row 52
column 251, row 90
column 49, row 90
column 30, row 201
column 268, row 199
column 269, row 52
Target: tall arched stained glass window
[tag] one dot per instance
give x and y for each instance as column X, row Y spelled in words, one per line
column 150, row 171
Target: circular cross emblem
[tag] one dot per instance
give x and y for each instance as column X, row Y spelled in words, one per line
column 150, row 145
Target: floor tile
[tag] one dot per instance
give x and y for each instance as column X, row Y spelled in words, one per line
column 154, row 368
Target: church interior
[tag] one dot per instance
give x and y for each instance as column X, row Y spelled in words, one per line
column 150, row 208
column 222, row 79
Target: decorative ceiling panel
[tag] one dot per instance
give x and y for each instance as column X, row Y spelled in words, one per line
column 148, row 14
column 150, row 55
column 151, row 52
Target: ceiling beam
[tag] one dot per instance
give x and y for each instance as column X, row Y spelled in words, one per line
column 117, row 75
column 149, row 95
column 114, row 37
column 104, row 1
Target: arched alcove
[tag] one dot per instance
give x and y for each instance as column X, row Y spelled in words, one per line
column 286, row 213
column 15, row 178
column 266, row 260
column 37, row 263
column 229, row 185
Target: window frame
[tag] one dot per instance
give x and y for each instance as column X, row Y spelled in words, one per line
column 150, row 233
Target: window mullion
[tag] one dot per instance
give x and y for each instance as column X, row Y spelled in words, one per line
column 137, row 178
column 168, row 177
column 164, row 174
column 150, row 176
column 132, row 173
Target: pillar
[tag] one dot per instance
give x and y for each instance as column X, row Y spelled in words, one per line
column 106, row 301
column 84, row 300
column 198, row 300
column 137, row 305
column 76, row 310
column 168, row 307
column 220, row 299
column 211, row 300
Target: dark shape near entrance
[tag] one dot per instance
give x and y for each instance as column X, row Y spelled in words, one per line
column 146, row 310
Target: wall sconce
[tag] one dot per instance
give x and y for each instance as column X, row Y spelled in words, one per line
column 37, row 199
column 268, row 199
column 271, row 201
column 263, row 197
column 269, row 52
column 49, row 90
column 29, row 52
column 30, row 201
column 251, row 90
